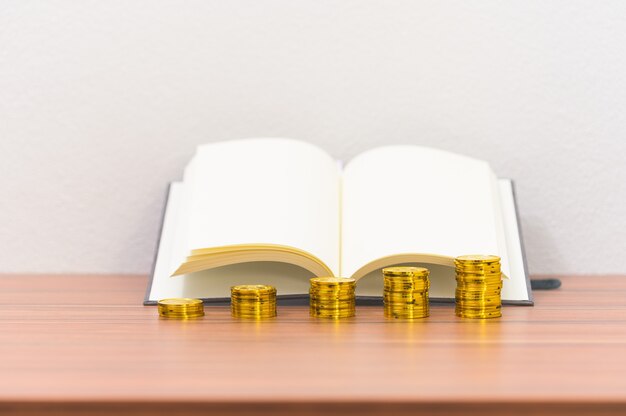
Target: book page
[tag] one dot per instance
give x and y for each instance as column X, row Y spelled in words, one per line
column 162, row 286
column 411, row 199
column 517, row 287
column 262, row 191
column 214, row 283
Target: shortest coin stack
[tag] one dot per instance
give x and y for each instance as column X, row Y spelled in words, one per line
column 253, row 301
column 478, row 286
column 405, row 293
column 332, row 297
column 181, row 308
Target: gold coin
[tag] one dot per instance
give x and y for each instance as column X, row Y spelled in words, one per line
column 253, row 304
column 476, row 304
column 477, row 265
column 478, row 314
column 174, row 313
column 349, row 299
column 405, row 304
column 478, row 283
column 314, row 301
column 314, row 295
column 182, row 316
column 403, row 281
column 252, row 294
column 254, row 316
column 319, row 304
column 477, row 259
column 333, row 294
column 341, row 303
column 253, row 310
column 252, row 289
column 463, row 285
column 464, row 289
column 406, row 314
column 480, row 290
column 243, row 312
column 331, row 281
column 416, row 287
column 332, row 311
column 474, row 286
column 333, row 288
column 407, row 307
column 401, row 297
column 405, row 271
column 180, row 308
column 253, row 301
column 395, row 280
column 477, row 292
column 465, row 300
column 182, row 302
column 167, row 312
column 332, row 297
column 488, row 315
column 406, row 293
column 473, row 309
column 478, row 276
column 182, row 311
column 334, row 306
column 477, row 271
column 317, row 314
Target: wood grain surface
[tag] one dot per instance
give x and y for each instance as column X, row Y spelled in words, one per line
column 86, row 345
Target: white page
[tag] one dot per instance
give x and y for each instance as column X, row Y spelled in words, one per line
column 180, row 250
column 162, row 285
column 411, row 199
column 267, row 191
column 516, row 287
column 214, row 283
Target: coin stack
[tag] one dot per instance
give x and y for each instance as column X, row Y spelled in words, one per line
column 180, row 308
column 405, row 293
column 478, row 286
column 332, row 297
column 253, row 301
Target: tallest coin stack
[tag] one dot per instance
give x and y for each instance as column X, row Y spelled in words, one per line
column 478, row 286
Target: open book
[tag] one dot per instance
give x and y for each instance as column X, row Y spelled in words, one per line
column 280, row 211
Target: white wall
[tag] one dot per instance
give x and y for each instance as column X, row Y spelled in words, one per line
column 103, row 102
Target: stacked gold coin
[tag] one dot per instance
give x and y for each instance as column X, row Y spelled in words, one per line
column 253, row 301
column 478, row 286
column 180, row 308
column 332, row 297
column 405, row 292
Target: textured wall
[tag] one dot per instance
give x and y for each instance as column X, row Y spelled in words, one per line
column 103, row 102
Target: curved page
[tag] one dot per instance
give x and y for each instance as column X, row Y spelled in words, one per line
column 262, row 191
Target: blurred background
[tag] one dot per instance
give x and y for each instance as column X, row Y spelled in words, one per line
column 103, row 102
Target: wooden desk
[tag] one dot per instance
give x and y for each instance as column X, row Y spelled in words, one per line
column 86, row 345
